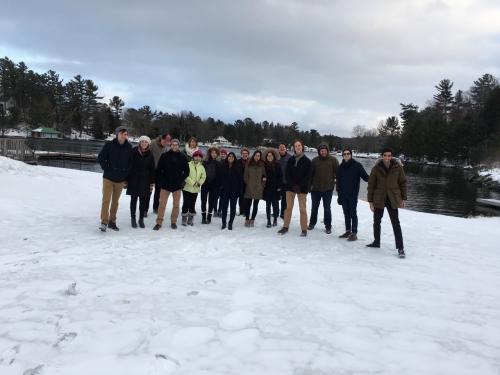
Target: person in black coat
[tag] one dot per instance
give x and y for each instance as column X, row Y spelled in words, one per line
column 209, row 189
column 298, row 173
column 348, row 177
column 115, row 159
column 172, row 170
column 140, row 181
column 272, row 189
column 242, row 162
column 231, row 182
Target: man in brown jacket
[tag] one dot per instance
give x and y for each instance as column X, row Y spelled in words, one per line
column 387, row 189
column 323, row 172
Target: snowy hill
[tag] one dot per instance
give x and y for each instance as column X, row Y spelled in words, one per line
column 204, row 301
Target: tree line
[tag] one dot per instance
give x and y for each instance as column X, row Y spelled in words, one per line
column 46, row 100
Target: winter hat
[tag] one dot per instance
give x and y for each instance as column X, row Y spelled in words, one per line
column 145, row 138
column 120, row 129
column 223, row 151
column 175, row 140
column 198, row 153
column 322, row 146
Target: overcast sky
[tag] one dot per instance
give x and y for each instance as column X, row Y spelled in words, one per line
column 328, row 65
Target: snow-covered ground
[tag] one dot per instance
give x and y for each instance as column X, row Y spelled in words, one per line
column 204, row 301
column 493, row 173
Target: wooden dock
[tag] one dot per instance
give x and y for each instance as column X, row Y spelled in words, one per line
column 51, row 155
column 17, row 148
column 495, row 203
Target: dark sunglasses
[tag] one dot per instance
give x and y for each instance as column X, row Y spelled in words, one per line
column 346, row 153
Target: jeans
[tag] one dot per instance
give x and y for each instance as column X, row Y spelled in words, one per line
column 349, row 206
column 378, row 213
column 316, row 197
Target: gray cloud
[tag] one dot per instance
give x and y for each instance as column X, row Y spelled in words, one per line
column 327, row 65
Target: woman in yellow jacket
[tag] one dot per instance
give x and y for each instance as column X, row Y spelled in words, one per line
column 192, row 187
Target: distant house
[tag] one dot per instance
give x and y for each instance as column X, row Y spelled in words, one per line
column 220, row 141
column 45, row 133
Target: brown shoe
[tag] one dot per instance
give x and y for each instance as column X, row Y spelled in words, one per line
column 346, row 234
column 247, row 223
column 352, row 237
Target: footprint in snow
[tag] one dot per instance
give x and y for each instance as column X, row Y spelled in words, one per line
column 193, row 293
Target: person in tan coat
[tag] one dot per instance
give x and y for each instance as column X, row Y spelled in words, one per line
column 387, row 190
column 255, row 179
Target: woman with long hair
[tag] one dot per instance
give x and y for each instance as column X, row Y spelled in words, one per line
column 255, row 179
column 274, row 182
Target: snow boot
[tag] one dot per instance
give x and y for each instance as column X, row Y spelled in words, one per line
column 133, row 222
column 401, row 253
column 103, row 227
column 141, row 222
column 112, row 225
column 352, row 237
column 190, row 219
column 223, row 226
column 328, row 230
column 204, row 218
column 184, row 219
column 173, row 225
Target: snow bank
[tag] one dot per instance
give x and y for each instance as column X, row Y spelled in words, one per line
column 204, row 301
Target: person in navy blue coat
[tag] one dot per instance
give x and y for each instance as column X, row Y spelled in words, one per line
column 348, row 177
column 231, row 183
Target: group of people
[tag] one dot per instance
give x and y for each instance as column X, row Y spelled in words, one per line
column 227, row 183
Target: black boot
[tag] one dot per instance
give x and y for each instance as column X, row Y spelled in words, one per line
column 112, row 225
column 134, row 223
column 190, row 219
column 275, row 222
column 209, row 218
column 204, row 218
column 184, row 219
column 268, row 223
column 223, row 226
column 141, row 222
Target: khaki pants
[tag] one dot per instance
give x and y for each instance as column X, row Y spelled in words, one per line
column 111, row 192
column 290, row 198
column 163, row 205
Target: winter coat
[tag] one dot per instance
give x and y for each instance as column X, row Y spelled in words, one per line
column 157, row 150
column 323, row 173
column 172, row 170
column 213, row 171
column 142, row 173
column 231, row 180
column 115, row 160
column 348, row 176
column 383, row 184
column 283, row 161
column 298, row 174
column 274, row 182
column 253, row 180
column 196, row 177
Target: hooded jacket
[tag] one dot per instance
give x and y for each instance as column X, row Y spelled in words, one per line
column 196, row 177
column 323, row 171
